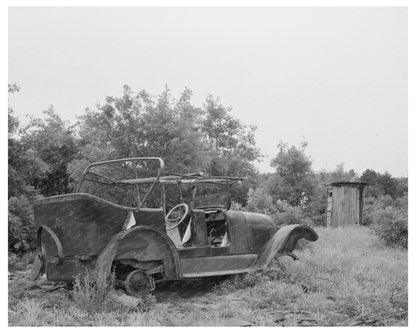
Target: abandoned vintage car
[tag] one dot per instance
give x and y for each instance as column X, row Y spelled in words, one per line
column 131, row 220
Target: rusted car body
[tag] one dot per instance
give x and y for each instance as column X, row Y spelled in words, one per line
column 143, row 244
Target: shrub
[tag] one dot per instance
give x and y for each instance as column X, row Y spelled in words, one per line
column 236, row 206
column 315, row 209
column 20, row 225
column 372, row 205
column 388, row 218
column 20, row 262
column 287, row 214
column 259, row 201
column 12, row 261
column 390, row 225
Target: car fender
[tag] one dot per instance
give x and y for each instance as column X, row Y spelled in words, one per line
column 282, row 243
column 141, row 243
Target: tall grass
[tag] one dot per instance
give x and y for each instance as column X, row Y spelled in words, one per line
column 90, row 294
column 346, row 278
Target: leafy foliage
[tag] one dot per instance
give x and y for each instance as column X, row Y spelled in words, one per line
column 389, row 219
column 296, row 194
column 13, row 122
column 48, row 157
column 287, row 214
column 20, row 225
column 293, row 180
column 281, row 211
column 188, row 138
column 260, row 201
column 21, row 167
column 384, row 184
column 234, row 144
column 51, row 144
column 391, row 226
column 137, row 125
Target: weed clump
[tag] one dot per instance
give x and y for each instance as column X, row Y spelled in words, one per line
column 30, row 312
column 90, row 293
column 236, row 282
column 94, row 294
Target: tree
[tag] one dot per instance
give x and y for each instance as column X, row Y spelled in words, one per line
column 188, row 138
column 387, row 184
column 369, row 176
column 233, row 142
column 48, row 156
column 383, row 184
column 137, row 125
column 50, row 143
column 20, row 163
column 20, row 194
column 16, row 163
column 234, row 145
column 13, row 122
column 293, row 180
column 342, row 175
column 402, row 186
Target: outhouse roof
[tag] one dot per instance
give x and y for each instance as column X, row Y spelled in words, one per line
column 355, row 184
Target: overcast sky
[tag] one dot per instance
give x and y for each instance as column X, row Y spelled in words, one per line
column 336, row 77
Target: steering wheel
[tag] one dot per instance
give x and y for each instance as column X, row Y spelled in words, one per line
column 178, row 220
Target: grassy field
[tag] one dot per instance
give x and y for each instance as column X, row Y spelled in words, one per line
column 346, row 278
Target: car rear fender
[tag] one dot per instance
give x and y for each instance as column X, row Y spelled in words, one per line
column 142, row 244
column 283, row 242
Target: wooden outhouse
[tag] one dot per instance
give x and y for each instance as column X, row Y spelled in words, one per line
column 344, row 203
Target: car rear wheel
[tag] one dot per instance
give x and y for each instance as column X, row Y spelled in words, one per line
column 138, row 283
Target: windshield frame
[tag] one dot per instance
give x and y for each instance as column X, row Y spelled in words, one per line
column 153, row 181
column 166, row 179
column 222, row 181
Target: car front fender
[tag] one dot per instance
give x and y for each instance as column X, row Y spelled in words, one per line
column 282, row 243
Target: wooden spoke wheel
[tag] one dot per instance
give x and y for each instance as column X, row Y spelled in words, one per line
column 138, row 283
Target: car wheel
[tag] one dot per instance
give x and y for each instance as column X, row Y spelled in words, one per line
column 138, row 283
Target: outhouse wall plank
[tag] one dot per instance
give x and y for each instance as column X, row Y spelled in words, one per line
column 346, row 204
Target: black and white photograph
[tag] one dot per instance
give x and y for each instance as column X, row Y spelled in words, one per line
column 207, row 165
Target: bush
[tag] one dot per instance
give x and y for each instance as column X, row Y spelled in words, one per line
column 19, row 262
column 237, row 206
column 259, row 201
column 390, row 225
column 282, row 213
column 20, row 225
column 13, row 262
column 388, row 218
column 287, row 214
column 315, row 211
